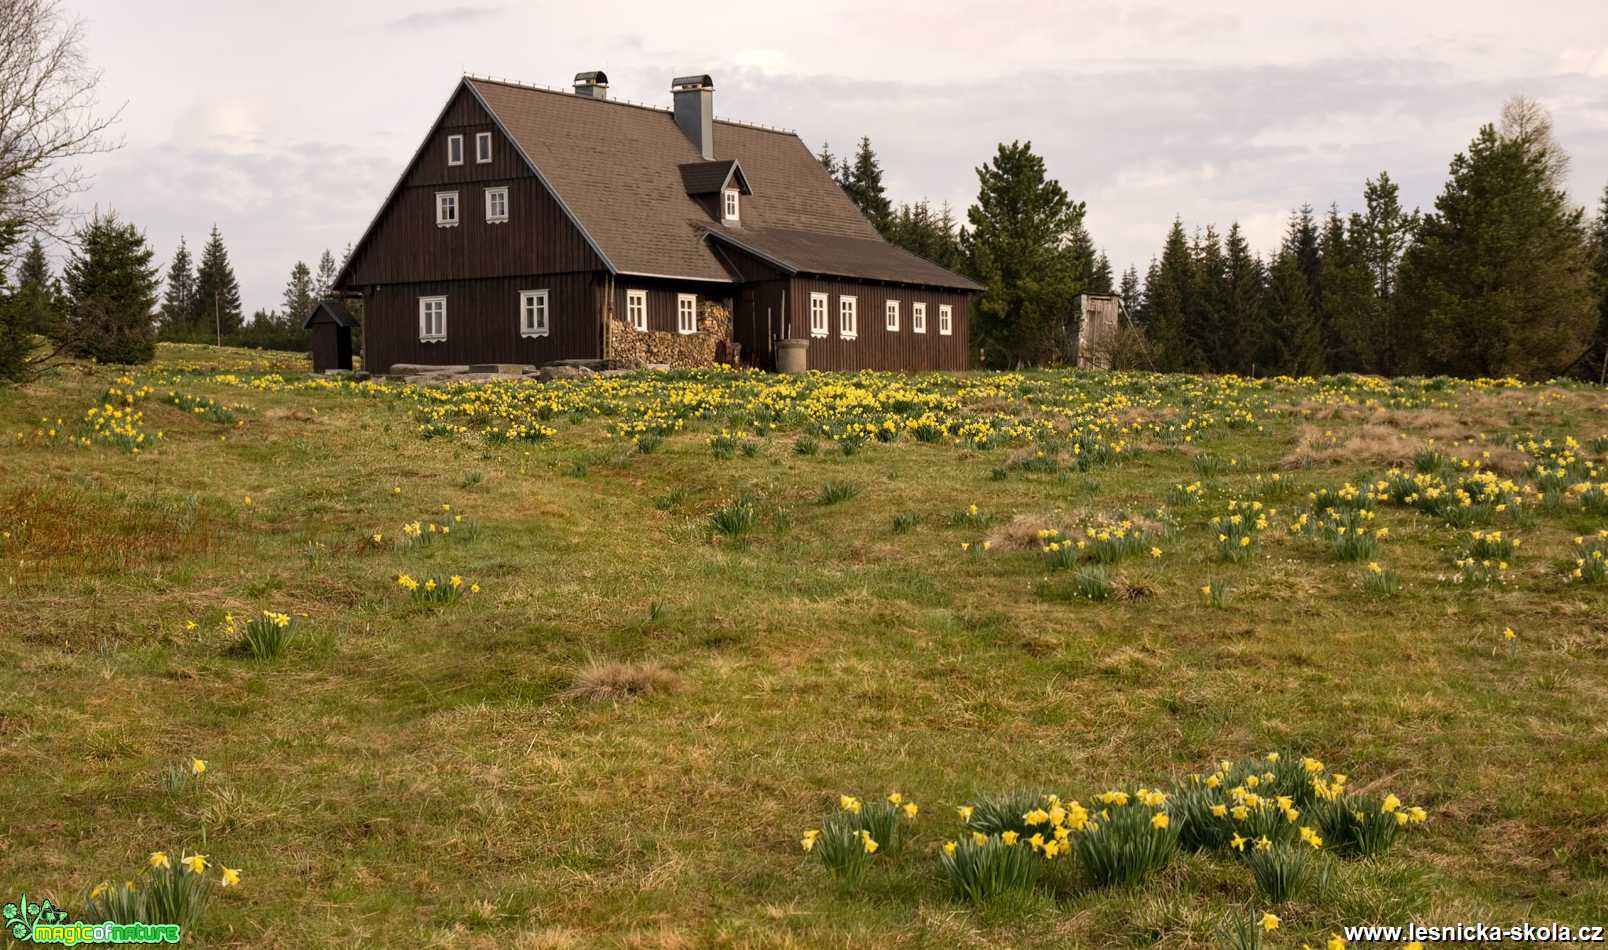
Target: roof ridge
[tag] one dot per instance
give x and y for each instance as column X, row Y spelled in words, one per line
column 535, row 87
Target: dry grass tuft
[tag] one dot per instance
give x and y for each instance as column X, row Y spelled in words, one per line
column 1371, row 445
column 614, row 681
column 1021, row 534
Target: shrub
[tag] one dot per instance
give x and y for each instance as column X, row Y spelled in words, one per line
column 1092, row 583
column 806, row 445
column 835, row 492
column 904, row 521
column 266, row 637
column 724, row 445
column 1215, row 592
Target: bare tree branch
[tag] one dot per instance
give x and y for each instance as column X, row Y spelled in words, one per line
column 48, row 117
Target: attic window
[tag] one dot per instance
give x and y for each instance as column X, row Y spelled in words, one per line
column 454, row 150
column 733, row 204
column 482, row 147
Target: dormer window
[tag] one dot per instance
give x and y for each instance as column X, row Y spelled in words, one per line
column 454, row 150
column 733, row 204
column 482, row 147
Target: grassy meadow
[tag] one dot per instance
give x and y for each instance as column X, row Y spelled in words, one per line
column 577, row 664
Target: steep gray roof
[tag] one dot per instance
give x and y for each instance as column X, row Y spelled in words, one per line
column 621, row 170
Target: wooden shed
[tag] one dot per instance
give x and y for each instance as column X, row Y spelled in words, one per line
column 332, row 325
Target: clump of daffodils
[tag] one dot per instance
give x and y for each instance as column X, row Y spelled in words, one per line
column 856, row 831
column 436, row 589
column 264, row 637
column 1238, row 529
column 184, row 777
column 1591, row 558
column 167, row 890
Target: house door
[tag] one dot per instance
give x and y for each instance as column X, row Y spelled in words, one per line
column 343, row 347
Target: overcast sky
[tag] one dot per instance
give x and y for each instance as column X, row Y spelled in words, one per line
column 287, row 122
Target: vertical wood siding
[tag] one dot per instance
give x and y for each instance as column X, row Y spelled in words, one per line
column 483, row 322
column 876, row 347
column 407, row 245
column 662, row 298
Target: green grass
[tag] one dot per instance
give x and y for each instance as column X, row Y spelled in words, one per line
column 621, row 737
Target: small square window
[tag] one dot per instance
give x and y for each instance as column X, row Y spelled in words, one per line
column 848, row 317
column 636, row 309
column 533, row 313
column 733, row 204
column 496, row 205
column 918, row 318
column 946, row 319
column 893, row 316
column 446, row 209
column 686, row 313
column 432, row 319
column 818, row 319
column 482, row 147
column 454, row 150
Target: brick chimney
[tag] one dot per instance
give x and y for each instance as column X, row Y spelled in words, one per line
column 695, row 111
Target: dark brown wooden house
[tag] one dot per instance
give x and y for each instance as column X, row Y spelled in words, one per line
column 534, row 225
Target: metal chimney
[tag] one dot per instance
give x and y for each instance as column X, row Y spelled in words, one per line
column 695, row 111
column 594, row 84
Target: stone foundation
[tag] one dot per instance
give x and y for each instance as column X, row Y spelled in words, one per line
column 712, row 345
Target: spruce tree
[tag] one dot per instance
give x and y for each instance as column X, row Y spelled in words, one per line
column 1169, row 288
column 1207, row 300
column 1290, row 342
column 1499, row 271
column 1017, row 248
column 299, row 295
column 1102, row 281
column 112, row 286
column 38, row 303
column 1596, row 364
column 828, row 160
column 1241, row 301
column 1129, row 291
column 176, row 320
column 863, row 182
column 16, row 339
column 1357, row 337
column 324, row 279
column 215, row 311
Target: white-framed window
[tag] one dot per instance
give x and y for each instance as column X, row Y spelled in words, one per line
column 432, row 319
column 818, row 318
column 733, row 204
column 686, row 313
column 446, row 209
column 636, row 309
column 946, row 319
column 848, row 317
column 454, row 150
column 496, row 205
column 533, row 313
column 918, row 317
column 482, row 147
column 893, row 316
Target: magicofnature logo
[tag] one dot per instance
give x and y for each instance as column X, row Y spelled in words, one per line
column 45, row 923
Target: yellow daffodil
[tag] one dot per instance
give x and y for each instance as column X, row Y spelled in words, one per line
column 195, row 863
column 230, row 877
column 1270, row 921
column 197, row 766
column 158, row 859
